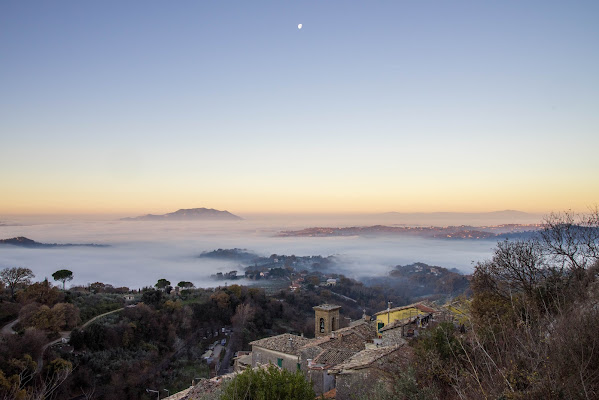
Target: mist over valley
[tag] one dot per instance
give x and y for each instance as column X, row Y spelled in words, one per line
column 138, row 253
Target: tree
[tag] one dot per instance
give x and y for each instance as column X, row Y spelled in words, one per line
column 66, row 315
column 40, row 292
column 532, row 324
column 185, row 284
column 15, row 277
column 270, row 383
column 63, row 276
column 162, row 283
column 152, row 297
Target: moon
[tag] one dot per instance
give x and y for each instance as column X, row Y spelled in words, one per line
column 299, row 26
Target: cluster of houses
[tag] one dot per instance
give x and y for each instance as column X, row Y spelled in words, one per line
column 342, row 363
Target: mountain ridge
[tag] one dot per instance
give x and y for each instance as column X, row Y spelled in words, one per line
column 188, row 214
column 22, row 241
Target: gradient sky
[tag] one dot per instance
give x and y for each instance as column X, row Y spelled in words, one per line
column 373, row 106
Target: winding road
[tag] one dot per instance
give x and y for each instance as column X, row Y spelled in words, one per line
column 8, row 330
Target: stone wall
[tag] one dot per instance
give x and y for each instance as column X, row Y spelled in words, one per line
column 321, row 381
column 265, row 356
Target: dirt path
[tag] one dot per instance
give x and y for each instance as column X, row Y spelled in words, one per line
column 100, row 316
column 7, row 329
column 63, row 335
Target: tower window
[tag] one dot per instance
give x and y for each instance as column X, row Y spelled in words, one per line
column 322, row 325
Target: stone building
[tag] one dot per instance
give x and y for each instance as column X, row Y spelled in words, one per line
column 320, row 354
column 326, row 319
column 358, row 376
column 281, row 350
column 242, row 361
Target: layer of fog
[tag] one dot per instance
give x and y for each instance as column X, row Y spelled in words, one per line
column 142, row 252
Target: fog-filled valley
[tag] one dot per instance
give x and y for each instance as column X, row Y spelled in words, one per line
column 137, row 253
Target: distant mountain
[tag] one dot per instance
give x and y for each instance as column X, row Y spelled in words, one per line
column 438, row 232
column 22, row 241
column 190, row 214
column 459, row 218
column 230, row 254
column 481, row 215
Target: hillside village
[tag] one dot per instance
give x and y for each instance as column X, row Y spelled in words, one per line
column 340, row 363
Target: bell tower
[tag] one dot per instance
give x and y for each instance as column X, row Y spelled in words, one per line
column 326, row 319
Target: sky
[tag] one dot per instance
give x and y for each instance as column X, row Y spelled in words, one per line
column 409, row 106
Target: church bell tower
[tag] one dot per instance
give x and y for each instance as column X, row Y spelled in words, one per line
column 326, row 319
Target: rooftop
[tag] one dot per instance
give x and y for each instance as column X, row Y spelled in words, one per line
column 327, row 307
column 364, row 358
column 333, row 356
column 285, row 343
column 419, row 306
column 351, row 337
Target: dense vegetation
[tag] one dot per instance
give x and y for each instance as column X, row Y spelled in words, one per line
column 531, row 331
column 268, row 383
column 158, row 342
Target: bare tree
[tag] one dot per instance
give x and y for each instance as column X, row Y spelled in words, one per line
column 15, row 277
column 572, row 240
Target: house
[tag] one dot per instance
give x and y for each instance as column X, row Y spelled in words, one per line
column 352, row 354
column 391, row 315
column 358, row 376
column 281, row 350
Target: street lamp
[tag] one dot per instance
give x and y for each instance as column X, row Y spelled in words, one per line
column 154, row 391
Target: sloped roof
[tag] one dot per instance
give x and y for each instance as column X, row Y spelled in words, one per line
column 364, row 358
column 285, row 343
column 351, row 337
column 350, row 340
column 333, row 356
column 419, row 306
column 327, row 307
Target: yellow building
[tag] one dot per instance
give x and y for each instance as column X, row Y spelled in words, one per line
column 458, row 311
column 391, row 315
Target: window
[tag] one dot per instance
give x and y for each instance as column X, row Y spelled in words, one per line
column 379, row 326
column 322, row 325
column 280, row 362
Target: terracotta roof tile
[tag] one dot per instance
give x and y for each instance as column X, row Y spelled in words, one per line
column 352, row 337
column 364, row 358
column 419, row 306
column 333, row 356
column 285, row 343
